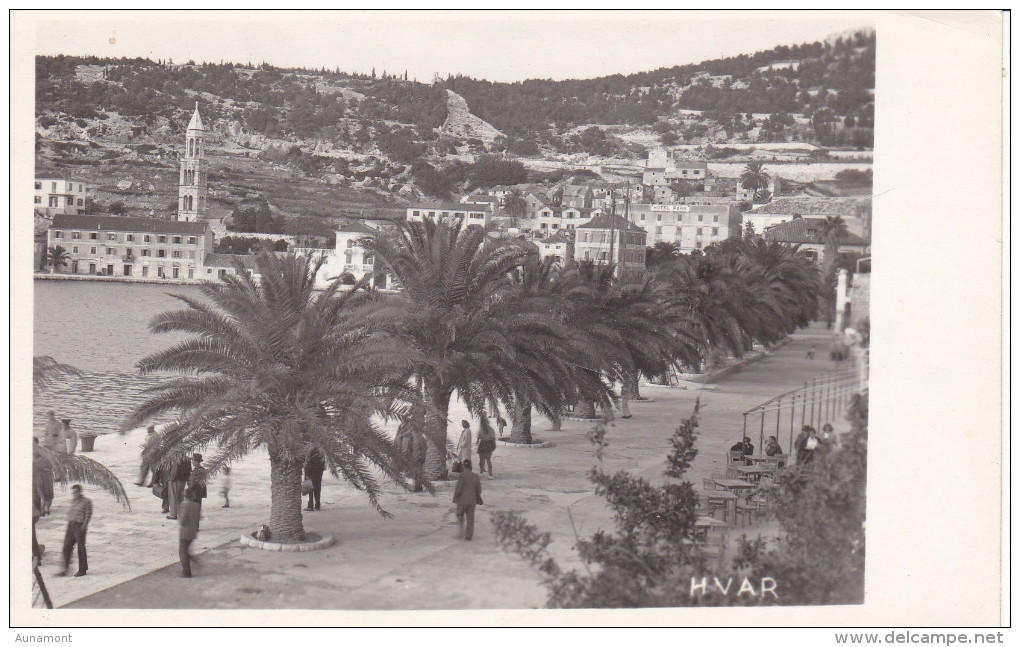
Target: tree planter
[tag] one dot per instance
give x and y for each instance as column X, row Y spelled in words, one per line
column 312, row 542
column 534, row 444
column 87, row 442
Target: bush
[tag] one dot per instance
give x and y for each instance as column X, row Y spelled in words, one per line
column 490, row 170
column 648, row 561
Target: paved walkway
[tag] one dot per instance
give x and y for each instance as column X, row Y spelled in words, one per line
column 396, row 563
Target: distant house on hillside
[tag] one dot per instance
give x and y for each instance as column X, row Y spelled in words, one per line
column 807, row 232
column 56, row 194
column 467, row 214
column 559, row 246
column 608, row 238
column 855, row 212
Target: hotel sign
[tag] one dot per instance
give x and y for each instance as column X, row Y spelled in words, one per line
column 683, row 208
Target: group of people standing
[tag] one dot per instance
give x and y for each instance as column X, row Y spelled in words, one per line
column 60, row 437
column 809, row 442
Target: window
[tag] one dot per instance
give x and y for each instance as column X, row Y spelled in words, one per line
column 658, row 230
column 38, row 186
column 369, row 259
column 176, row 254
column 192, row 240
column 92, row 250
column 80, row 188
column 146, row 238
column 146, row 252
column 145, row 270
column 111, row 251
column 74, row 249
column 53, row 187
column 75, row 235
column 700, row 217
column 416, row 214
column 111, row 236
column 54, row 201
column 127, row 252
column 177, row 240
column 161, row 253
column 130, row 237
column 699, row 231
column 715, row 218
column 38, row 199
column 93, row 235
column 70, row 201
column 161, row 239
column 715, row 231
column 446, row 214
column 58, row 234
column 658, row 217
column 642, row 217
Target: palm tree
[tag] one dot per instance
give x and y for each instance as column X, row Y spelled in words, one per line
column 55, row 257
column 271, row 364
column 553, row 355
column 516, row 206
column 754, row 178
column 457, row 297
column 46, row 371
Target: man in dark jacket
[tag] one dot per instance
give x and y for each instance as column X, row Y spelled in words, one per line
column 197, row 481
column 178, row 481
column 315, row 465
column 467, row 494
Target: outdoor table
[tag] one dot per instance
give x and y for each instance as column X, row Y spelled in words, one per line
column 761, row 458
column 755, row 471
column 728, row 497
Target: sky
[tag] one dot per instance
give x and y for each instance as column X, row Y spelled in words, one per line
column 493, row 45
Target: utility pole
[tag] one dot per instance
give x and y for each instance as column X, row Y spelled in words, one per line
column 612, row 227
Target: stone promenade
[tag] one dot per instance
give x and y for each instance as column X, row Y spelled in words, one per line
column 413, row 560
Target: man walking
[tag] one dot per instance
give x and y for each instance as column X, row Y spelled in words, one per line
column 467, row 494
column 143, row 470
column 189, row 512
column 78, row 517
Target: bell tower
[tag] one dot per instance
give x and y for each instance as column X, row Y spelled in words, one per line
column 191, row 205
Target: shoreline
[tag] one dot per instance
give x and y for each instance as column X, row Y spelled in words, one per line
column 113, row 279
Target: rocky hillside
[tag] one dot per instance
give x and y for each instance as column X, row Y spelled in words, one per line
column 348, row 143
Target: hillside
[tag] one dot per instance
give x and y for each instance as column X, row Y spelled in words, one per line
column 346, row 143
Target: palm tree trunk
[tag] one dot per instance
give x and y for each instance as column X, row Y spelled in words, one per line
column 635, row 386
column 557, row 421
column 435, row 430
column 285, row 514
column 520, row 432
column 585, row 409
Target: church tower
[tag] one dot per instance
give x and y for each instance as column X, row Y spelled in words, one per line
column 191, row 205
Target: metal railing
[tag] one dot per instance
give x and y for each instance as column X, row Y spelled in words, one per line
column 823, row 399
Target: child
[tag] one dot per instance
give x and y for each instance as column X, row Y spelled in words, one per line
column 225, row 487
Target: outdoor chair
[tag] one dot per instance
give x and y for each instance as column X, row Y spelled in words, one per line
column 736, row 457
column 709, row 484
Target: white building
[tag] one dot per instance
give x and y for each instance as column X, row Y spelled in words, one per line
column 132, row 247
column 468, row 214
column 691, row 226
column 56, row 195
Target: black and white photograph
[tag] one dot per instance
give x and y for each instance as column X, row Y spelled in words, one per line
column 490, row 311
